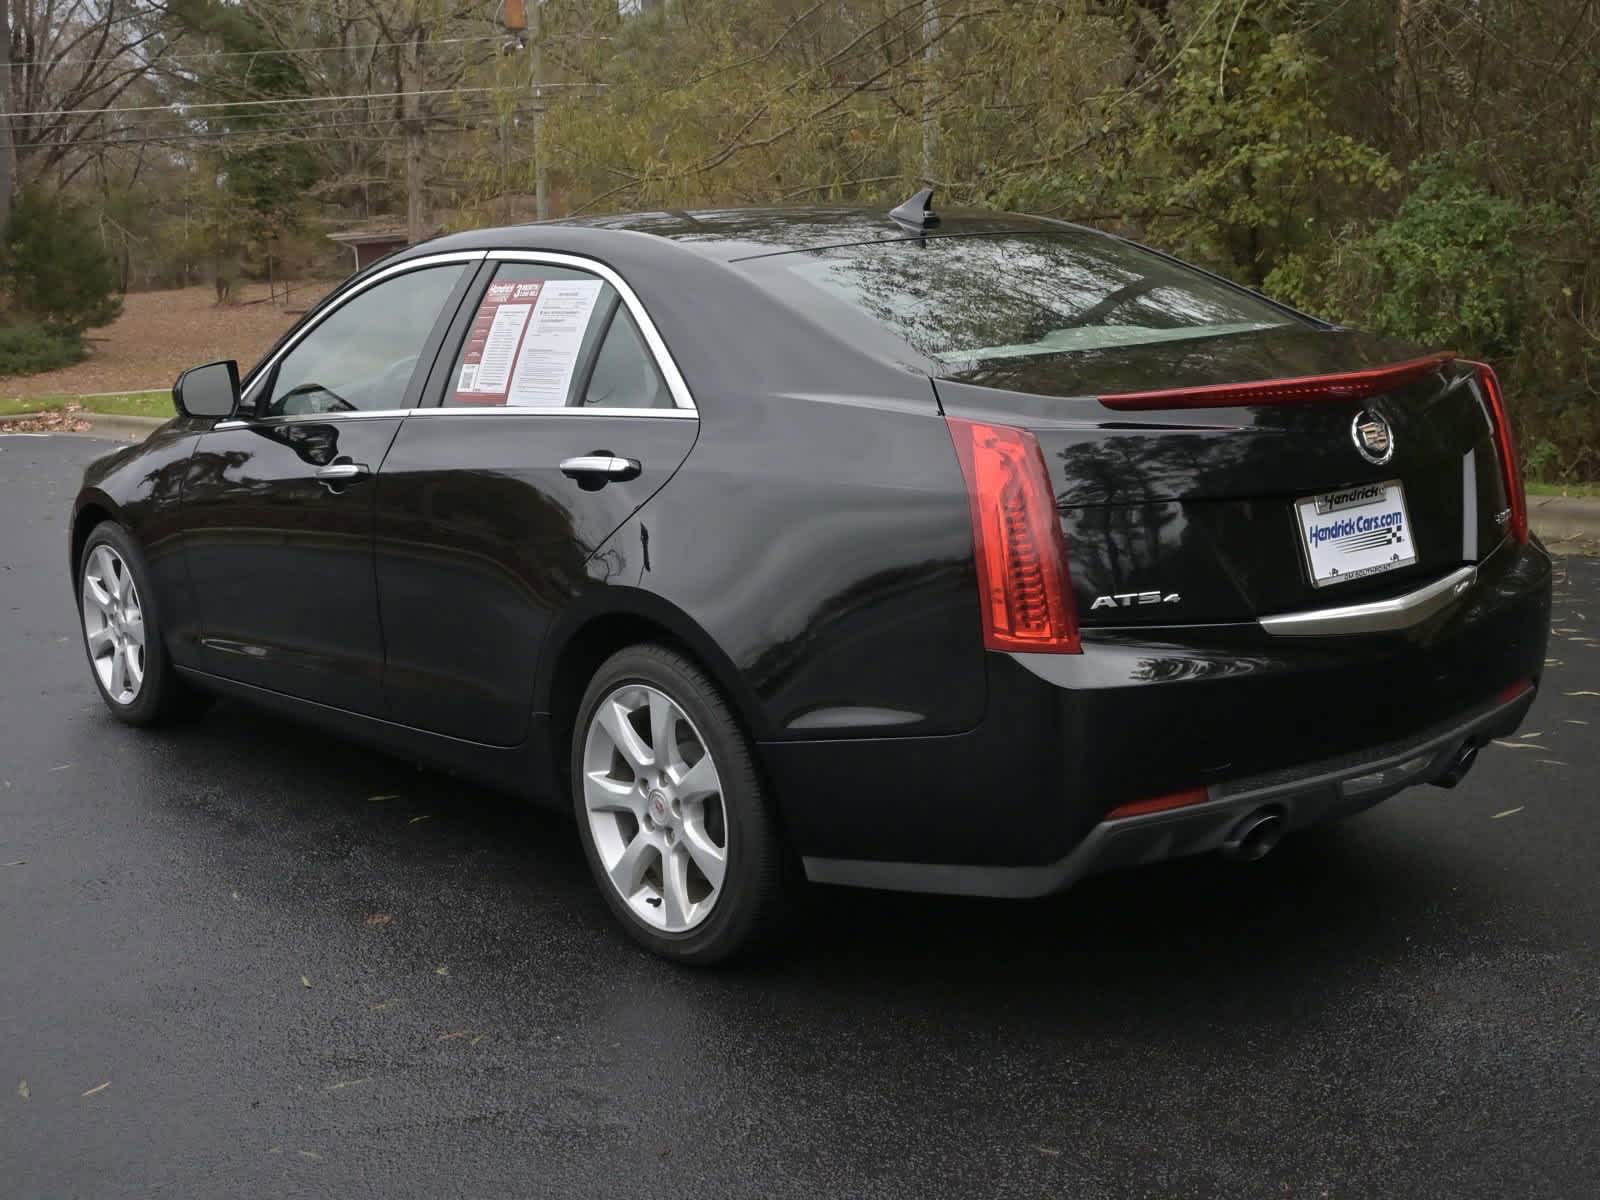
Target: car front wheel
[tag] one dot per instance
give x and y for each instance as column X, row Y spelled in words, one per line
column 122, row 633
column 676, row 828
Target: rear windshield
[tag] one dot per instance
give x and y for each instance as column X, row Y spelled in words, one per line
column 967, row 300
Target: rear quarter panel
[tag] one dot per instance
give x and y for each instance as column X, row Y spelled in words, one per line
column 823, row 543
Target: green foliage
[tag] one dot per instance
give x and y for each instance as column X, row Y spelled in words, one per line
column 1243, row 166
column 54, row 265
column 27, row 348
column 1453, row 267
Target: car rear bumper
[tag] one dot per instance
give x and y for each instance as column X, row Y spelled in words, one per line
column 1300, row 798
column 1023, row 803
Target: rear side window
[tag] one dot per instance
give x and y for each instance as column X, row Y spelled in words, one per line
column 967, row 300
column 625, row 373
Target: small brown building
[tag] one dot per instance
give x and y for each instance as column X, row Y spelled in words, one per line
column 369, row 245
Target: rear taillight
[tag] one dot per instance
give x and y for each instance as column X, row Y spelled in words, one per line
column 1023, row 586
column 1301, row 389
column 1505, row 443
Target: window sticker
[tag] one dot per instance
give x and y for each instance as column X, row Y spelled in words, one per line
column 548, row 354
column 497, row 331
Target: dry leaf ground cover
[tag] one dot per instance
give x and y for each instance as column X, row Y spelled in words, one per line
column 161, row 333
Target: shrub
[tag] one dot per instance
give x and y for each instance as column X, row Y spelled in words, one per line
column 27, row 349
column 54, row 265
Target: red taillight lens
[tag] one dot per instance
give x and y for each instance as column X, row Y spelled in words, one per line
column 1301, row 389
column 1506, row 444
column 1023, row 586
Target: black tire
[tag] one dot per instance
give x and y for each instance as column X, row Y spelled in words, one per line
column 749, row 908
column 162, row 695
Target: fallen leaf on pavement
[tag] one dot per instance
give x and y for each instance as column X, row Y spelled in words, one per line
column 379, row 919
column 425, row 817
column 100, row 1088
column 1518, row 745
column 388, row 796
column 1507, row 812
column 22, row 1089
column 305, row 981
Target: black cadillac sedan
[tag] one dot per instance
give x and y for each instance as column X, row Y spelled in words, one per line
column 969, row 555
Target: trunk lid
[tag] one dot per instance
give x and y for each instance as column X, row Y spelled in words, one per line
column 1184, row 515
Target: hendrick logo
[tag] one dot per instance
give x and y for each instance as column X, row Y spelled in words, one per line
column 1372, row 436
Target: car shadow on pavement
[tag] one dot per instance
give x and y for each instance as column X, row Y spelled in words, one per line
column 1189, row 936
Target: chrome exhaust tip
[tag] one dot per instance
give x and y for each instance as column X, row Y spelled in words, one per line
column 1459, row 766
column 1256, row 836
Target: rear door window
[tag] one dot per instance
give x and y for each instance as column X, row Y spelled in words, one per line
column 531, row 339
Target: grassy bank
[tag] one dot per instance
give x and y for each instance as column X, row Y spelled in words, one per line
column 127, row 404
column 1586, row 491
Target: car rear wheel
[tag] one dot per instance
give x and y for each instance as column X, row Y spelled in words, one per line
column 674, row 823
column 122, row 633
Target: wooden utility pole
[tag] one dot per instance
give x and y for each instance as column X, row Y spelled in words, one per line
column 541, row 176
column 413, row 127
column 8, row 159
column 930, row 63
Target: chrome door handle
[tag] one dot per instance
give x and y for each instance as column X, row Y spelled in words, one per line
column 343, row 472
column 600, row 467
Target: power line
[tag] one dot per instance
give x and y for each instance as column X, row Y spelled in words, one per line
column 179, row 108
column 260, row 122
column 283, row 50
column 268, row 138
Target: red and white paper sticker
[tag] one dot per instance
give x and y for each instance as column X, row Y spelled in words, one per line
column 523, row 346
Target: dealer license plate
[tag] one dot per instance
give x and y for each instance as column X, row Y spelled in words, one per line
column 1355, row 532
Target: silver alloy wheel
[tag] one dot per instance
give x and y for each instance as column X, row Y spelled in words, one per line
column 113, row 624
column 655, row 808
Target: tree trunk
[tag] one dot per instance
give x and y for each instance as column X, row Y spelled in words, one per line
column 415, row 132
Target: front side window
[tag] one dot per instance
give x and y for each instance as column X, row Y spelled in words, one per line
column 962, row 301
column 361, row 357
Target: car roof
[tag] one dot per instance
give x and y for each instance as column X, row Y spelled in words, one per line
column 730, row 234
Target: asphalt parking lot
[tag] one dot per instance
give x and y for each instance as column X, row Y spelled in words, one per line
column 246, row 959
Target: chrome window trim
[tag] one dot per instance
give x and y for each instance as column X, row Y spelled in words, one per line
column 264, row 372
column 664, row 360
column 665, row 414
column 1377, row 616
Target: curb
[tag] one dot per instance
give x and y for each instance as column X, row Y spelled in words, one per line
column 1565, row 523
column 119, row 426
column 111, row 425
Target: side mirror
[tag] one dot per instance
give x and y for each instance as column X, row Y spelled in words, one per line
column 208, row 391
